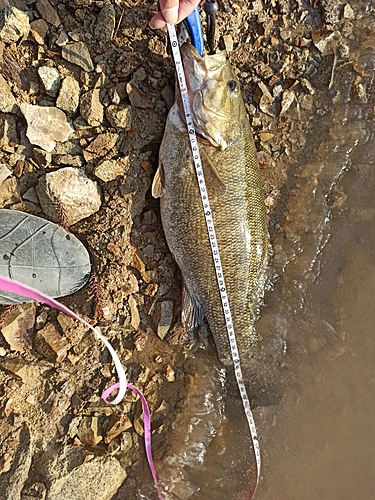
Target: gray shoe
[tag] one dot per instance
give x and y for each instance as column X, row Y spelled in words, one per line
column 40, row 254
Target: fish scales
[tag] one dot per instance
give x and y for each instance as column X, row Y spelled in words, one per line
column 233, row 183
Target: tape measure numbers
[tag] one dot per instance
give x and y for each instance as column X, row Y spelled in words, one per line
column 214, row 246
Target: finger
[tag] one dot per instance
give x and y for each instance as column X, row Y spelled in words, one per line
column 186, row 8
column 169, row 9
column 158, row 21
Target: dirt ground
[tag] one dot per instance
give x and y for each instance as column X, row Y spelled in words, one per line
column 56, row 433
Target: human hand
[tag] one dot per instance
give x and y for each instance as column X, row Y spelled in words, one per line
column 172, row 11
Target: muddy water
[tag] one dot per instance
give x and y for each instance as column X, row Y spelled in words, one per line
column 314, row 379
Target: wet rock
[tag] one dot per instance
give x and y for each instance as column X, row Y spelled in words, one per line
column 165, row 311
column 137, row 98
column 48, row 13
column 108, row 170
column 50, row 344
column 68, row 98
column 39, row 30
column 78, row 53
column 79, row 195
column 91, row 109
column 4, row 172
column 105, row 23
column 13, row 481
column 98, row 479
column 19, row 331
column 50, row 78
column 46, row 125
column 7, row 100
column 119, row 116
column 13, row 24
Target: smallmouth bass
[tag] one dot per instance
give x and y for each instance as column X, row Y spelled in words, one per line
column 231, row 173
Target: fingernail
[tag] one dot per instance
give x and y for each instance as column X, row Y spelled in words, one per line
column 171, row 15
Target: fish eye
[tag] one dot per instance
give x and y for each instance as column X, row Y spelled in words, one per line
column 232, row 85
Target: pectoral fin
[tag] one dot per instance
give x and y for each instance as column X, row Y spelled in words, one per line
column 158, row 188
column 215, row 185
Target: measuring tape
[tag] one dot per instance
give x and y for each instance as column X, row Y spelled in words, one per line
column 214, row 247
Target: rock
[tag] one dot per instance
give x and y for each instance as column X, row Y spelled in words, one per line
column 18, row 332
column 78, row 53
column 9, row 192
column 137, row 98
column 105, row 23
column 79, row 195
column 50, row 344
column 4, row 172
column 8, row 132
column 108, row 170
column 134, row 313
column 13, row 481
column 39, row 30
column 98, row 479
column 43, row 158
column 7, row 100
column 50, row 78
column 169, row 374
column 287, row 100
column 31, row 195
column 48, row 12
column 46, row 125
column 165, row 311
column 127, row 63
column 13, row 24
column 168, row 95
column 116, row 425
column 62, row 40
column 119, row 116
column 102, row 143
column 348, row 12
column 91, row 109
column 68, row 98
column 88, row 431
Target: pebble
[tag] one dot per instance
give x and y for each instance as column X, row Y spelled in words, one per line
column 39, row 130
column 7, row 100
column 137, row 97
column 18, row 332
column 50, row 344
column 4, row 172
column 91, row 109
column 108, row 170
column 78, row 53
column 119, row 116
column 165, row 311
column 102, row 143
column 79, row 195
column 134, row 313
column 168, row 95
column 50, row 78
column 62, row 39
column 39, row 30
column 14, row 24
column 68, row 98
column 105, row 23
column 9, row 193
column 348, row 12
column 48, row 13
column 287, row 100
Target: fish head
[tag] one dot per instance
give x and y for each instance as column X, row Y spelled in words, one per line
column 215, row 97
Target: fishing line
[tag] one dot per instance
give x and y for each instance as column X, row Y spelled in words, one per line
column 214, row 246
